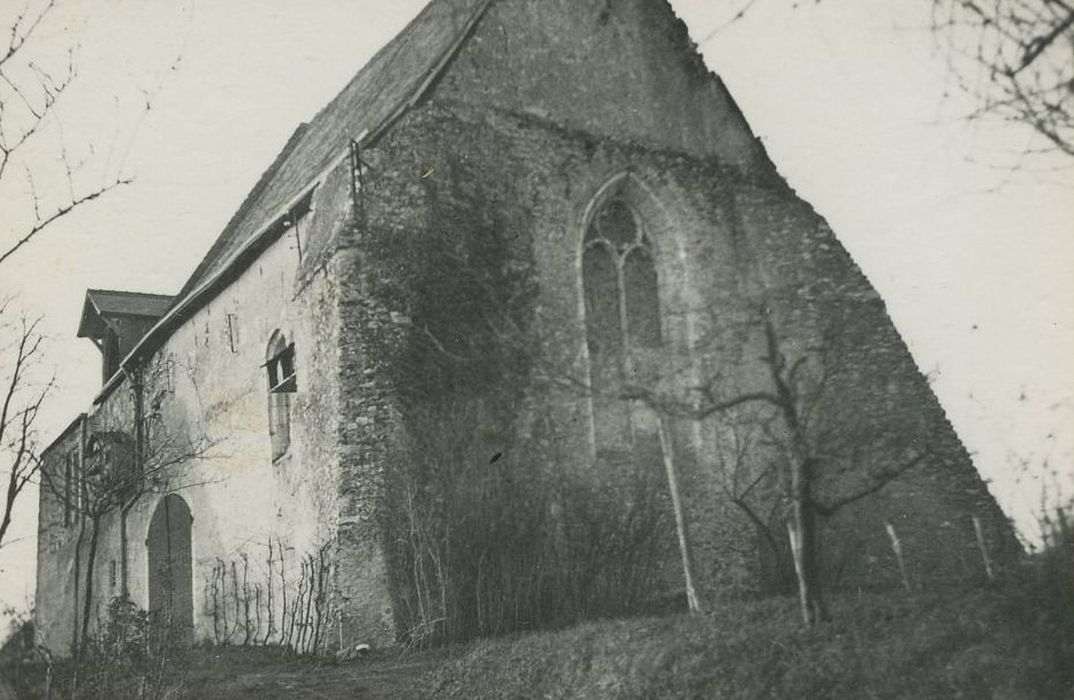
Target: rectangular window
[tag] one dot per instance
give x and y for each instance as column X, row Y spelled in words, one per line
column 233, row 332
column 72, row 488
column 112, row 574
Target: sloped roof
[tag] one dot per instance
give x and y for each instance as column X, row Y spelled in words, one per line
column 129, row 303
column 222, row 244
column 391, row 81
column 107, row 302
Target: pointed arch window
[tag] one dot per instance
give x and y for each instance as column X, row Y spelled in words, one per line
column 622, row 313
column 282, row 383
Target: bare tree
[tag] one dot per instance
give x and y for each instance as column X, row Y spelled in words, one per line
column 34, row 158
column 30, row 91
column 119, row 467
column 23, row 394
column 824, row 452
column 750, row 483
column 1016, row 57
column 815, row 425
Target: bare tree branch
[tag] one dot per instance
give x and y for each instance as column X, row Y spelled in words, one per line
column 878, row 481
column 23, row 397
column 31, row 87
column 22, row 28
column 42, row 223
column 1016, row 58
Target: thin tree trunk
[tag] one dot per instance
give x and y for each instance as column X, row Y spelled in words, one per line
column 13, row 491
column 124, row 545
column 80, row 498
column 978, row 530
column 805, row 548
column 48, row 672
column 799, row 571
column 76, row 633
column 681, row 527
column 896, row 546
column 91, row 558
column 138, row 385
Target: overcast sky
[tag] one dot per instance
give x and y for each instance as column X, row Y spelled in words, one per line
column 851, row 99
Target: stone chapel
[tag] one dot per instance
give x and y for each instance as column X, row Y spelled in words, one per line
column 430, row 379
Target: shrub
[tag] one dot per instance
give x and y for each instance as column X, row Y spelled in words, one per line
column 127, row 658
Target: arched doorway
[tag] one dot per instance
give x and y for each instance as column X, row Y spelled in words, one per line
column 171, row 579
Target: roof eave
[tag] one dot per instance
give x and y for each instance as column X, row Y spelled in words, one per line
column 236, row 264
column 189, row 300
column 90, row 323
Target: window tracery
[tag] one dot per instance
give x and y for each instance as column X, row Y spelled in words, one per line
column 622, row 314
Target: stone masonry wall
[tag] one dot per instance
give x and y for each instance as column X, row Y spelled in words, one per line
column 725, row 243
column 57, row 539
column 624, row 69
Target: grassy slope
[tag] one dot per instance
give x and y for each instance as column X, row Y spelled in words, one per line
column 1011, row 641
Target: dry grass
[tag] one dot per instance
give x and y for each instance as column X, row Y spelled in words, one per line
column 1013, row 640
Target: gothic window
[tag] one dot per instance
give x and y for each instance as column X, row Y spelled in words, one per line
column 622, row 311
column 282, row 383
